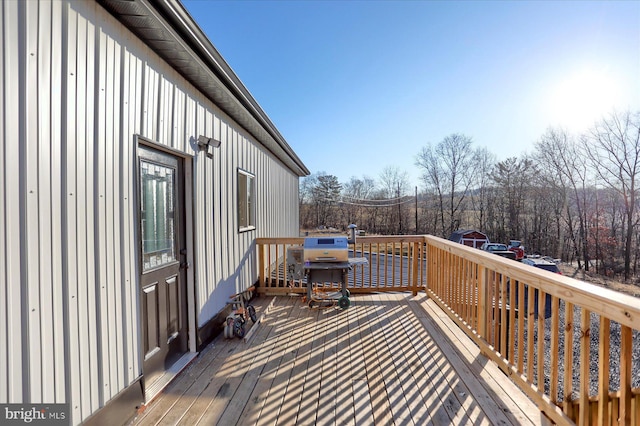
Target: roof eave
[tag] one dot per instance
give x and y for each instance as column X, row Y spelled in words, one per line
column 172, row 33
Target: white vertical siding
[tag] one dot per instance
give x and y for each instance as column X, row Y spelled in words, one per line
column 132, row 69
column 11, row 360
column 75, row 87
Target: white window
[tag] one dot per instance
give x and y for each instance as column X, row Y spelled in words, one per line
column 246, row 203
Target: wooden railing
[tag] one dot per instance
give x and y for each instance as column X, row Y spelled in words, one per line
column 393, row 264
column 582, row 370
column 568, row 344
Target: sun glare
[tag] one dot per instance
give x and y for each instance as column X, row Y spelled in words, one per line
column 582, row 99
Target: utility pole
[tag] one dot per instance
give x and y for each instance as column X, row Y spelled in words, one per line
column 416, row 210
column 399, row 208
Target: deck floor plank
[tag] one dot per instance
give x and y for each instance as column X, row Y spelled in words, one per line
column 378, row 362
column 255, row 382
column 505, row 398
column 390, row 358
column 398, row 385
column 226, row 377
column 406, row 362
column 345, row 414
column 461, row 381
column 362, row 407
column 304, row 336
column 188, row 386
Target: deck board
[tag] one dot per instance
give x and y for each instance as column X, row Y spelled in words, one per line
column 391, row 358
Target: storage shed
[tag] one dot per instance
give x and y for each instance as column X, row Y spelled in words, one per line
column 136, row 172
column 469, row 237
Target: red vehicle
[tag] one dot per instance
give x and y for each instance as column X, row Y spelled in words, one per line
column 517, row 247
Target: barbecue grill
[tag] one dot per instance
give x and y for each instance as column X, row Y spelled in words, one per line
column 326, row 261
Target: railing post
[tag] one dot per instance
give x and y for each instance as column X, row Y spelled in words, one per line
column 261, row 279
column 414, row 276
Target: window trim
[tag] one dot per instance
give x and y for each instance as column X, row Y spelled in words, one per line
column 249, row 200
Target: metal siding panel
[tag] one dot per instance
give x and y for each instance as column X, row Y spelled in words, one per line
column 236, row 237
column 199, row 196
column 231, row 206
column 126, row 217
column 178, row 135
column 112, row 199
column 165, row 101
column 4, row 277
column 72, row 220
column 135, row 125
column 11, row 353
column 88, row 394
column 205, row 121
column 220, row 129
column 46, row 179
column 57, row 200
column 222, row 242
column 102, row 165
column 31, row 229
column 150, row 102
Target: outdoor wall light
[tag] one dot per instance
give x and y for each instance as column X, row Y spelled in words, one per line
column 204, row 143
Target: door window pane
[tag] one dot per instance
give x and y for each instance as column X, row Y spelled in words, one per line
column 157, row 215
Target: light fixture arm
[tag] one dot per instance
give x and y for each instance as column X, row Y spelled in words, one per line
column 205, row 142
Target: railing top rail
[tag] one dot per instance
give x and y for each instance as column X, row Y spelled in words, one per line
column 611, row 304
column 280, row 240
column 369, row 239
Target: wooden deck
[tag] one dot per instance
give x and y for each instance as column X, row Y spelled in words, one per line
column 390, row 358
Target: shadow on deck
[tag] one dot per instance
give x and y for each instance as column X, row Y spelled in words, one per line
column 388, row 359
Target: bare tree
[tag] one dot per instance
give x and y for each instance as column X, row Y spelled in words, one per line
column 613, row 147
column 565, row 164
column 448, row 169
column 395, row 184
column 355, row 196
column 305, row 198
column 479, row 201
column 513, row 177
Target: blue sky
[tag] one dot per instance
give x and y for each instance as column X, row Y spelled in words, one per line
column 358, row 86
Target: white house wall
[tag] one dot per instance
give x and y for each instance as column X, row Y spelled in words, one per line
column 75, row 87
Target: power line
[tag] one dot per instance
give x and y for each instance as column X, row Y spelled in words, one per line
column 409, row 200
column 327, row 192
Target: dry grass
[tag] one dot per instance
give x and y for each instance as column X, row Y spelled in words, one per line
column 590, row 277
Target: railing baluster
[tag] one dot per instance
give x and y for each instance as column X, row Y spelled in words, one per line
column 393, row 264
column 377, row 265
column 269, row 266
column 482, row 302
column 603, row 371
column 512, row 320
column 521, row 317
column 554, row 347
column 626, row 355
column 540, row 355
column 416, row 269
column 495, row 302
column 568, row 360
column 504, row 324
column 530, row 340
column 585, row 346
